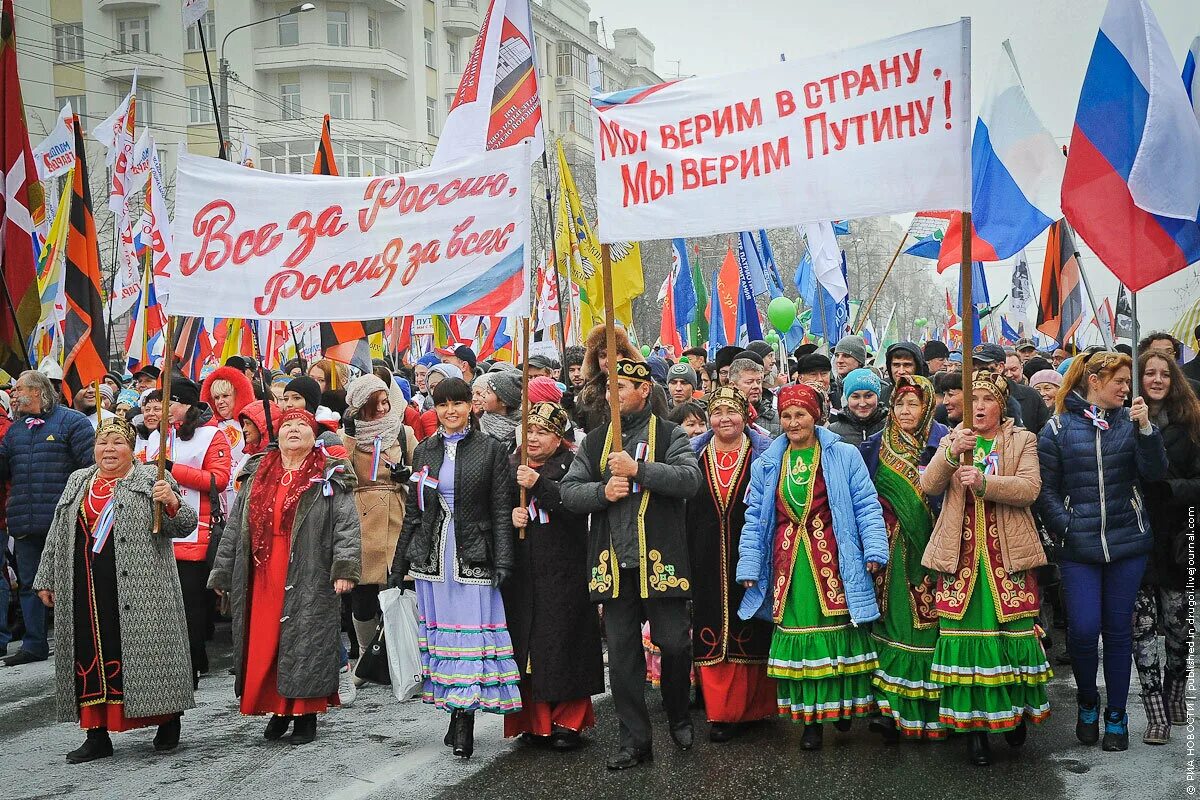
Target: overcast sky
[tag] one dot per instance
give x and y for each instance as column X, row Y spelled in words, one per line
column 1051, row 39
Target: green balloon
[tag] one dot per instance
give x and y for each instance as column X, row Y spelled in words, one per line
column 772, row 338
column 646, row 350
column 781, row 313
column 920, row 322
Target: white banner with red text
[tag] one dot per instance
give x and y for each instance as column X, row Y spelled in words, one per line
column 878, row 129
column 261, row 245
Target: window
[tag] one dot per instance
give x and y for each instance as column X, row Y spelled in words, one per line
column 339, row 99
column 574, row 115
column 295, row 157
column 430, row 50
column 376, row 109
column 572, row 61
column 145, row 105
column 289, row 100
column 337, row 28
column 452, row 56
column 431, row 112
column 355, row 159
column 373, row 35
column 199, row 106
column 209, row 21
column 289, row 31
column 68, row 42
column 78, row 105
column 134, row 34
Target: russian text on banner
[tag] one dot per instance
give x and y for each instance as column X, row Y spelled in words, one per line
column 255, row 244
column 877, row 129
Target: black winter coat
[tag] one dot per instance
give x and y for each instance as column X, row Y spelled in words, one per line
column 1091, row 501
column 1034, row 413
column 856, row 431
column 483, row 503
column 1171, row 502
column 554, row 626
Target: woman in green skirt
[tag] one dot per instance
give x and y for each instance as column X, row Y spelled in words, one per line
column 814, row 535
column 907, row 631
column 989, row 659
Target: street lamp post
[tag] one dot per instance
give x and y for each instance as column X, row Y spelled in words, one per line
column 224, row 64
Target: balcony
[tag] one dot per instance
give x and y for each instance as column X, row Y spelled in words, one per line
column 388, row 5
column 450, row 81
column 122, row 5
column 120, row 66
column 461, row 17
column 384, row 63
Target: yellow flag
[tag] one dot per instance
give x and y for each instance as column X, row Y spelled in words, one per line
column 627, row 278
column 375, row 340
column 49, row 267
column 578, row 247
column 233, row 339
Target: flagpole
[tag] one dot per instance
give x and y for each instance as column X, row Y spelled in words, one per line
column 164, row 422
column 968, row 317
column 12, row 312
column 262, row 377
column 562, row 336
column 1133, row 309
column 1105, row 334
column 212, row 94
column 610, row 345
column 525, row 412
column 863, row 314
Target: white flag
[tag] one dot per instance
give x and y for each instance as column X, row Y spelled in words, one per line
column 112, row 132
column 826, row 258
column 193, row 10
column 127, row 283
column 56, row 154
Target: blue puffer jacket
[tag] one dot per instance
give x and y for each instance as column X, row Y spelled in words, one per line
column 857, row 525
column 1091, row 500
column 38, row 461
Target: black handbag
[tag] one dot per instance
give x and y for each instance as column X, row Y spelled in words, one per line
column 373, row 663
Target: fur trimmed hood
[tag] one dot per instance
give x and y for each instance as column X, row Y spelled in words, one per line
column 243, row 391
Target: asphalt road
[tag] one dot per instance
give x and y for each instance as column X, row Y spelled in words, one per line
column 381, row 749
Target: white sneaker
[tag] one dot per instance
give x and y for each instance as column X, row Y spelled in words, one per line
column 346, row 689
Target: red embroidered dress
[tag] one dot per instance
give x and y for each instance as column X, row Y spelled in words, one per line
column 99, row 678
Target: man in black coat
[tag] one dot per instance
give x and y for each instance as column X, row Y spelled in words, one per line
column 637, row 545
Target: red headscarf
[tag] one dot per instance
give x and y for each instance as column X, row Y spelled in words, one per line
column 265, row 488
column 800, row 395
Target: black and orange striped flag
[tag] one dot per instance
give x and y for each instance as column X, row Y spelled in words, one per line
column 325, row 163
column 1060, row 304
column 86, row 361
column 346, row 342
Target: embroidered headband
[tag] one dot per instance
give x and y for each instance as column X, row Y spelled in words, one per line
column 117, row 425
column 729, row 396
column 550, row 416
column 300, row 414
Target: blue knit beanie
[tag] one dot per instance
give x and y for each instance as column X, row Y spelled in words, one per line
column 860, row 380
column 429, row 359
column 405, row 388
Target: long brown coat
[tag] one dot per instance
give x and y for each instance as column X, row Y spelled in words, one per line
column 1013, row 490
column 380, row 506
column 155, row 661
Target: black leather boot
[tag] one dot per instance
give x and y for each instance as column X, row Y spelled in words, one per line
column 449, row 739
column 814, row 734
column 167, row 738
column 305, row 729
column 464, row 735
column 276, row 727
column 978, row 752
column 1017, row 736
column 97, row 745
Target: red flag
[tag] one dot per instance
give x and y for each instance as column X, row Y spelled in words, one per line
column 87, row 359
column 21, row 210
column 325, row 163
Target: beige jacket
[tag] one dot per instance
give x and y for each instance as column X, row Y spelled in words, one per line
column 380, row 507
column 1012, row 492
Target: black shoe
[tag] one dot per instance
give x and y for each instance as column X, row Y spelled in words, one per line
column 1017, row 736
column 978, row 752
column 683, row 734
column 565, row 740
column 305, row 729
column 464, row 735
column 23, row 657
column 277, row 727
column 195, row 681
column 626, row 758
column 97, row 745
column 814, row 733
column 449, row 738
column 1087, row 723
column 1116, row 731
column 885, row 726
column 844, row 724
column 167, row 738
column 723, row 731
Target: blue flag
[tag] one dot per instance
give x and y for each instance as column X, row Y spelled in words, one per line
column 979, row 297
column 684, row 295
column 768, row 257
column 1006, row 331
column 836, row 314
column 750, row 264
column 716, row 322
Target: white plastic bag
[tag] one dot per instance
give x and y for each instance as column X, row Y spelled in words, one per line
column 399, row 615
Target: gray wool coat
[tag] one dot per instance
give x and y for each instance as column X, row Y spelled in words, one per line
column 326, row 546
column 156, row 664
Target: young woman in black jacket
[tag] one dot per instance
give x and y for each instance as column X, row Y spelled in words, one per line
column 1162, row 602
column 457, row 544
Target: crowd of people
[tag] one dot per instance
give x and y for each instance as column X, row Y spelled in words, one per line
column 815, row 537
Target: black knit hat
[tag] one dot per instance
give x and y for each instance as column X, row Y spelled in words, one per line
column 307, row 388
column 184, row 390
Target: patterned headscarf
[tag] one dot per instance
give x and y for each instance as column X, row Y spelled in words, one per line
column 994, row 384
column 117, row 425
column 801, row 395
column 909, row 445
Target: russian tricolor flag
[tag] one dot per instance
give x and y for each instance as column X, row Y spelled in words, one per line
column 1132, row 183
column 1017, row 171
